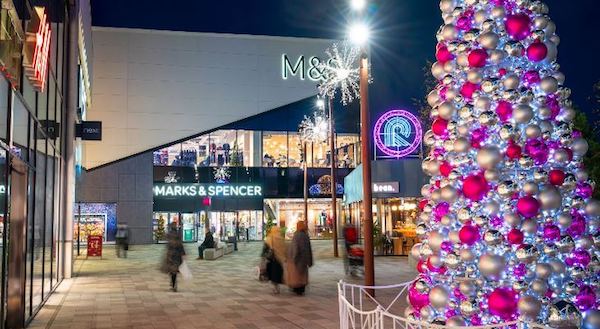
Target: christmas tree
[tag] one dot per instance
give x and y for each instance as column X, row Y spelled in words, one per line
column 509, row 230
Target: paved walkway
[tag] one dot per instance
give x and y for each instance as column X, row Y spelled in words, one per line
column 133, row 293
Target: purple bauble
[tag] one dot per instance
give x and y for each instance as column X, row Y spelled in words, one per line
column 586, row 298
column 551, row 232
column 441, row 210
column 581, row 257
column 584, row 190
column 577, row 227
column 531, row 78
column 537, row 150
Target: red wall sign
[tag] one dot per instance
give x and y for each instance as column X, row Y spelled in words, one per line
column 94, row 245
column 37, row 69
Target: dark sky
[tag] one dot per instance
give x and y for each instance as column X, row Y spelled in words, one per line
column 404, row 37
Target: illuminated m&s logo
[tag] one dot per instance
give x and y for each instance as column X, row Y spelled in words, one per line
column 397, row 133
column 303, row 67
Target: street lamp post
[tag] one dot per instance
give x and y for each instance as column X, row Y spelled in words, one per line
column 305, row 184
column 333, row 179
column 366, row 171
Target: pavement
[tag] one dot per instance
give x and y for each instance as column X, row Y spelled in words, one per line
column 132, row 293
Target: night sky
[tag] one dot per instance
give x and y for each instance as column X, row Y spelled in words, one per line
column 404, row 35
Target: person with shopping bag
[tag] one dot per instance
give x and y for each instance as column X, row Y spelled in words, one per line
column 174, row 258
column 274, row 254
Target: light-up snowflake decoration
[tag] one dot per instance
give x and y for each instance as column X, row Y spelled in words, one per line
column 341, row 72
column 314, row 129
column 221, row 174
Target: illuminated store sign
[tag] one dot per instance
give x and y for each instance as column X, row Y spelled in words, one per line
column 397, row 133
column 303, row 67
column 386, row 187
column 207, row 190
column 36, row 50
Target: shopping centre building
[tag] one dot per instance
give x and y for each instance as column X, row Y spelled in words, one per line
column 45, row 48
column 201, row 130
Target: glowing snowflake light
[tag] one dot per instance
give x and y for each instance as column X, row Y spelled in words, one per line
column 221, row 174
column 341, row 71
column 314, row 129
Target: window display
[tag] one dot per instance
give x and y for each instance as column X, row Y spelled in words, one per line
column 95, row 219
column 89, row 224
column 290, row 211
column 275, row 149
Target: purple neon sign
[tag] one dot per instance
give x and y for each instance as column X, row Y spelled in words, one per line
column 397, row 133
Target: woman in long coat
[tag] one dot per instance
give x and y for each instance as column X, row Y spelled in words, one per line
column 174, row 257
column 299, row 259
column 275, row 252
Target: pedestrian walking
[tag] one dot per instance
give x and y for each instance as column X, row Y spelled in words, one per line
column 209, row 242
column 174, row 256
column 299, row 259
column 122, row 240
column 275, row 252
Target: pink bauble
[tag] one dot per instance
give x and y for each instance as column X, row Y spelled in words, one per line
column 551, row 232
column 537, row 51
column 435, row 269
column 515, row 236
column 478, row 136
column 556, row 177
column 528, row 206
column 417, row 300
column 518, row 26
column 477, row 58
column 584, row 190
column 440, row 127
column 475, row 187
column 446, row 168
column 443, row 55
column 504, row 110
column 421, row 266
column 513, row 151
column 423, row 203
column 586, row 298
column 469, row 234
column 502, row 302
column 468, row 89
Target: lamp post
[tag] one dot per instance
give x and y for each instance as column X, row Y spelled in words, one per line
column 333, row 179
column 305, row 182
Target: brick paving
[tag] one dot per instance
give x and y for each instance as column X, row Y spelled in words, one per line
column 132, row 293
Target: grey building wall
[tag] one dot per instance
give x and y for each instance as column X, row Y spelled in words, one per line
column 127, row 183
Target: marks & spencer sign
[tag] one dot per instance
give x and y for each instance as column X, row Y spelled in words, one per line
column 172, row 191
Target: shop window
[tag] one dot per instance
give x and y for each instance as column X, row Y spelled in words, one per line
column 346, row 146
column 275, row 149
column 94, row 219
column 320, row 155
column 248, row 148
column 10, row 43
column 295, row 150
column 4, row 92
column 223, row 150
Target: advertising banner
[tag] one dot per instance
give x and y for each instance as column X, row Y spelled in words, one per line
column 94, row 245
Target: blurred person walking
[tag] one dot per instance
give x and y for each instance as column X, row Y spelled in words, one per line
column 122, row 237
column 174, row 256
column 299, row 259
column 274, row 252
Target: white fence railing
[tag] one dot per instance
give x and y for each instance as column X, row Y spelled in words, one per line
column 359, row 310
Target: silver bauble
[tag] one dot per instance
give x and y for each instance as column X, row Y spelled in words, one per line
column 581, row 175
column 483, row 103
column 539, row 175
column 544, row 112
column 585, row 242
column 533, row 131
column 433, row 98
column 491, row 266
column 427, row 313
column 489, row 40
column 492, row 237
column 426, row 191
column 529, row 226
column 415, row 251
column 550, row 198
column 507, row 132
column 436, row 261
column 571, row 288
column 592, row 208
column 512, row 219
column 467, row 288
column 422, row 286
column 523, row 113
column 497, row 56
column 558, row 266
column 549, row 85
column 439, row 297
column 452, row 260
column 469, row 307
column 461, row 145
column 437, row 70
column 449, row 32
column 552, row 49
column 560, row 156
column 474, row 76
column 514, row 48
column 567, row 114
column 531, row 188
column 563, row 314
column 591, row 319
column 565, row 243
column 446, row 220
column 507, row 188
column 539, row 286
column 453, row 236
column 511, row 82
column 520, row 285
column 576, row 272
column 540, row 22
column 435, row 240
column 488, row 157
column 456, row 321
column 447, row 6
column 467, row 255
column 446, row 110
column 529, row 307
column 498, row 12
column 462, row 60
column 449, row 193
column 579, row 147
column 543, row 271
column 527, row 253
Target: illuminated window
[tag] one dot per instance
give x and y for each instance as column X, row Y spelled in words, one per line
column 275, row 148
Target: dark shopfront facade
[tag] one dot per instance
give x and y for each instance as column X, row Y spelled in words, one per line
column 193, row 200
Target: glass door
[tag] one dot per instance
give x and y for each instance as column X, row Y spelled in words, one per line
column 188, row 226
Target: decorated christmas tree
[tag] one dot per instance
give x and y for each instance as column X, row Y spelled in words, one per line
column 509, row 230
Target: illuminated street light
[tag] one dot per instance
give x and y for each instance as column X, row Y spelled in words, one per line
column 359, row 34
column 358, row 5
column 320, row 103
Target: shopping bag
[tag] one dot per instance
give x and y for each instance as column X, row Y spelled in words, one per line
column 184, row 269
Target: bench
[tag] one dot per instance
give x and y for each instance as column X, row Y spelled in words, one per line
column 220, row 251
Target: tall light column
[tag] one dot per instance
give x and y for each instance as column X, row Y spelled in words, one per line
column 366, row 171
column 305, row 183
column 333, row 179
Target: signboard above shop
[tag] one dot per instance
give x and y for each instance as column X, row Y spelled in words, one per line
column 386, row 187
column 36, row 48
column 207, row 190
column 397, row 134
column 89, row 130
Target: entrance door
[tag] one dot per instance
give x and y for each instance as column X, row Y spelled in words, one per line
column 17, row 218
